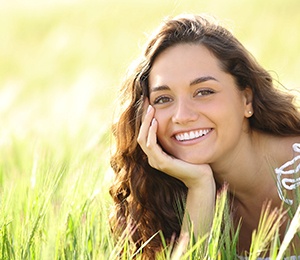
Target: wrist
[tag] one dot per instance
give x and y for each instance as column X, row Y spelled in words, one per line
column 203, row 183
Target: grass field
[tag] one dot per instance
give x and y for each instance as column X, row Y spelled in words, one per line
column 61, row 63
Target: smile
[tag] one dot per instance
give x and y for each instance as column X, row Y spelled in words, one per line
column 191, row 135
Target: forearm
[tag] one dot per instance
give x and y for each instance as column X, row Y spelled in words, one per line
column 200, row 206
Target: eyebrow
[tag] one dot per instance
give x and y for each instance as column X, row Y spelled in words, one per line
column 201, row 80
column 192, row 83
column 159, row 88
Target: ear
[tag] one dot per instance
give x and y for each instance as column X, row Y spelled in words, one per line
column 248, row 97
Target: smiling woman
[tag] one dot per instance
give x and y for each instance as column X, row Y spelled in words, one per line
column 200, row 112
column 198, row 99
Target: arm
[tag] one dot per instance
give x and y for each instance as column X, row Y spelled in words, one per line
column 198, row 178
column 200, row 205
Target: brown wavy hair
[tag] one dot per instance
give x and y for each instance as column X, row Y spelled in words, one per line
column 147, row 200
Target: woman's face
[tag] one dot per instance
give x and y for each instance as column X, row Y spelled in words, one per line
column 201, row 114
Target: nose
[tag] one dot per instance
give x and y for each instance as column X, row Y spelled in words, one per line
column 185, row 112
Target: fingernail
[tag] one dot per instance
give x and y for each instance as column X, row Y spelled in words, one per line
column 149, row 109
column 153, row 121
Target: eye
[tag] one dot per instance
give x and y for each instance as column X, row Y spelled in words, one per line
column 204, row 92
column 161, row 100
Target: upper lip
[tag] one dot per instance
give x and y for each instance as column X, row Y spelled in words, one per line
column 191, row 134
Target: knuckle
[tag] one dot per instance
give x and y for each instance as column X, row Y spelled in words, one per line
column 139, row 139
column 149, row 145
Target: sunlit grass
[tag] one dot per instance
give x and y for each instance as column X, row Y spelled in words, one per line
column 60, row 66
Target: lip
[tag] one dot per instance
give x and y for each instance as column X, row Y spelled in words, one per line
column 191, row 136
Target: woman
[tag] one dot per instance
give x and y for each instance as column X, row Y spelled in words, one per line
column 199, row 112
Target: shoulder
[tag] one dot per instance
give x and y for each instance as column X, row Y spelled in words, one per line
column 277, row 150
column 285, row 149
column 290, row 159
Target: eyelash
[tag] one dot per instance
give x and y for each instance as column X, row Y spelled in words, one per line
column 159, row 100
column 204, row 92
column 165, row 99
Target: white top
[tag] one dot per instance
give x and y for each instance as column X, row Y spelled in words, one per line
column 288, row 183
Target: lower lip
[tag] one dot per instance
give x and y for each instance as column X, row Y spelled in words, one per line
column 193, row 141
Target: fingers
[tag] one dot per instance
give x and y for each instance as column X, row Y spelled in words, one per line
column 152, row 149
column 147, row 138
column 145, row 108
column 152, row 137
column 145, row 127
column 191, row 175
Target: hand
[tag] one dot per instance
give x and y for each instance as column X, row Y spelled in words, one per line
column 192, row 175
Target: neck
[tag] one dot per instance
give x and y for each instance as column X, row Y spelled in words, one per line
column 247, row 169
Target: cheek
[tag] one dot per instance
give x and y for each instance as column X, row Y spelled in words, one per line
column 163, row 129
column 161, row 120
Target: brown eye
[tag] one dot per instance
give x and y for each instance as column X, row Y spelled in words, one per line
column 162, row 100
column 204, row 92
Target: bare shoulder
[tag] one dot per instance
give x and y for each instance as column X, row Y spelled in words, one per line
column 285, row 148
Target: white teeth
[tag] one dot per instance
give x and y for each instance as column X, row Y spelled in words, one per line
column 191, row 135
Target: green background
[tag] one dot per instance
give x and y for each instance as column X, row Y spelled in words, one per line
column 61, row 64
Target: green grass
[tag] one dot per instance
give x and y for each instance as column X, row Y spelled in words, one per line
column 60, row 66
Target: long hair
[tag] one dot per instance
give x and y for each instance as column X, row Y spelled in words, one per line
column 147, row 200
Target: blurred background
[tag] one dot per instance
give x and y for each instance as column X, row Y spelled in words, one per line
column 61, row 62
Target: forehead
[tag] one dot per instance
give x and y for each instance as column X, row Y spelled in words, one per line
column 183, row 62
